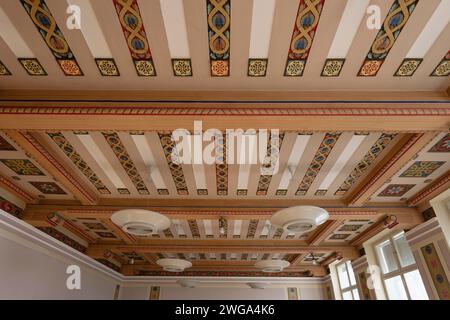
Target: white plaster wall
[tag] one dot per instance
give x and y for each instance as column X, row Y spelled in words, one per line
column 28, row 273
column 313, row 293
column 221, row 292
column 134, row 293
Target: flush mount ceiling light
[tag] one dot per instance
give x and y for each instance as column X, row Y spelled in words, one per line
column 174, row 265
column 299, row 219
column 186, row 283
column 271, row 266
column 258, row 285
column 140, row 222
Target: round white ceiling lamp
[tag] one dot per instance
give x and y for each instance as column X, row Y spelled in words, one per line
column 140, row 222
column 258, row 285
column 271, row 266
column 186, row 283
column 300, row 219
column 174, row 265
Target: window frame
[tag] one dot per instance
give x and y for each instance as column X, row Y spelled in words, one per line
column 400, row 271
column 351, row 286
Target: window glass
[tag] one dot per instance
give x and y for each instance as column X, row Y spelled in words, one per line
column 350, row 273
column 415, row 285
column 403, row 251
column 385, row 252
column 343, row 277
column 355, row 294
column 395, row 288
column 347, row 295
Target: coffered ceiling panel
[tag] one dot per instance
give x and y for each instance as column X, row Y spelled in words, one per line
column 140, row 165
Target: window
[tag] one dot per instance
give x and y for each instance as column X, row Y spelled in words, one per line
column 347, row 281
column 401, row 277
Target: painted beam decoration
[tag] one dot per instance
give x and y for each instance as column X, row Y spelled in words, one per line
column 443, row 68
column 48, row 28
column 302, row 38
column 3, row 70
column 393, row 24
column 135, row 36
column 219, row 31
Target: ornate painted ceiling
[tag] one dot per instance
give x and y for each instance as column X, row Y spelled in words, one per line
column 225, row 45
column 87, row 112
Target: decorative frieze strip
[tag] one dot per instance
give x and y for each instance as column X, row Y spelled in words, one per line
column 242, row 214
column 15, row 189
column 63, row 238
column 133, row 29
column 423, row 231
column 339, row 110
column 11, row 208
column 44, row 152
column 306, row 273
column 219, row 34
column 386, row 167
column 418, row 197
column 47, row 27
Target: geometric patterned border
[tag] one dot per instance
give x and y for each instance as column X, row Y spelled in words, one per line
column 443, row 68
column 365, row 163
column 221, row 166
column 176, row 170
column 182, row 67
column 396, row 19
column 442, row 181
column 70, row 152
column 133, row 29
column 437, row 272
column 408, row 67
column 32, row 66
column 48, row 28
column 124, row 158
column 44, row 152
column 219, row 21
column 306, row 22
column 222, row 273
column 107, row 67
column 339, row 110
column 11, row 208
column 63, row 238
column 332, row 67
column 383, row 170
column 3, row 70
column 322, row 153
column 257, row 67
column 270, row 161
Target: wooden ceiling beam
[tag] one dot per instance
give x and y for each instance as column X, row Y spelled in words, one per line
column 40, row 153
column 209, row 209
column 127, row 238
column 221, row 246
column 105, row 110
column 178, row 95
column 435, row 188
column 408, row 146
column 298, row 259
column 324, row 232
column 16, row 190
column 129, row 270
